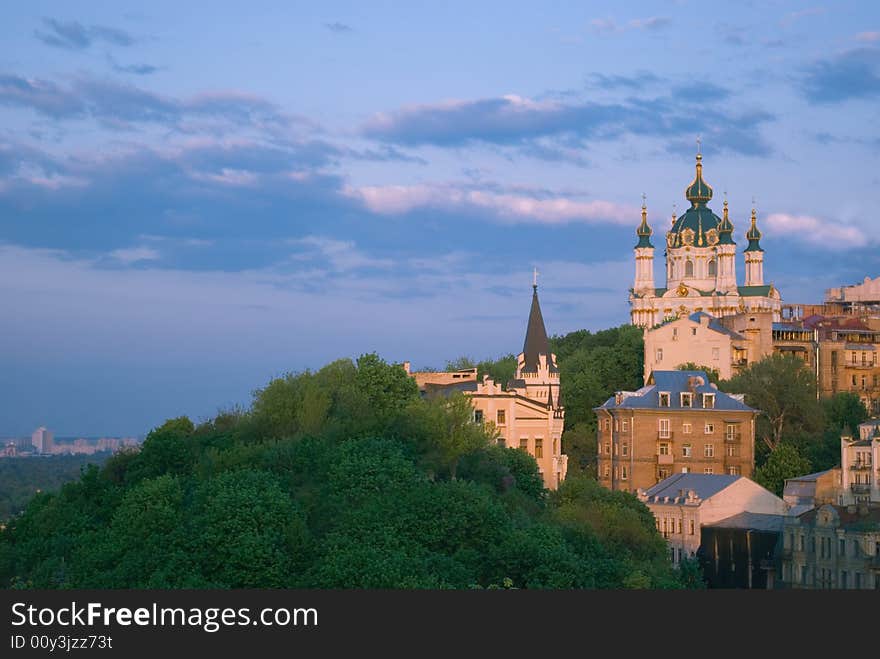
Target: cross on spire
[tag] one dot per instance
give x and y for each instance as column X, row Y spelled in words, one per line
column 535, row 279
column 699, row 144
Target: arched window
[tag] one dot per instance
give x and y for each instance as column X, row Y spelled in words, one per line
column 712, row 271
column 688, row 268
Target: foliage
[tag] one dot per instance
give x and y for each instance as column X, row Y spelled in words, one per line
column 713, row 374
column 340, row 478
column 785, row 461
column 784, row 390
column 22, row 478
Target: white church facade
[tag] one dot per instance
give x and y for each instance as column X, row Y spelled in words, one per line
column 700, row 266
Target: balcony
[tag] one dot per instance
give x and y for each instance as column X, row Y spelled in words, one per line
column 874, row 563
column 860, row 466
column 860, row 488
column 665, row 459
column 664, row 436
column 733, row 437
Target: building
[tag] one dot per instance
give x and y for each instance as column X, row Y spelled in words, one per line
column 860, row 469
column 42, row 440
column 686, row 502
column 858, row 298
column 805, row 492
column 700, row 265
column 678, row 422
column 847, row 358
column 742, row 551
column 699, row 339
column 525, row 411
column 832, row 546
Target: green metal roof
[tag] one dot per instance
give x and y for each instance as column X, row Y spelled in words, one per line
column 755, row 291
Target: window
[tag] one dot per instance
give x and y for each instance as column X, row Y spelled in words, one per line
column 709, row 429
column 678, row 525
column 662, row 472
column 716, row 354
column 688, row 268
column 624, row 449
column 674, row 333
column 693, row 331
column 555, row 446
column 478, row 416
column 802, row 543
column 712, row 269
column 624, row 474
column 733, row 470
column 607, row 448
column 686, row 450
column 709, row 470
column 663, row 429
column 664, row 399
column 731, row 432
column 709, row 401
column 686, row 428
column 524, row 443
column 539, row 447
column 685, row 470
column 732, row 451
column 659, row 354
column 691, row 527
column 858, row 576
column 607, row 471
column 708, row 450
column 663, row 448
column 624, row 426
column 841, row 550
column 843, row 576
column 500, row 417
column 501, row 442
column 687, row 399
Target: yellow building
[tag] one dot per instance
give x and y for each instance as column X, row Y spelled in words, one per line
column 526, row 411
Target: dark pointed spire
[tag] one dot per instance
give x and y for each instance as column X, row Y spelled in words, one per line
column 644, row 231
column 753, row 235
column 536, row 342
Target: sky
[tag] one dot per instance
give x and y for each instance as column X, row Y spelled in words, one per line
column 198, row 197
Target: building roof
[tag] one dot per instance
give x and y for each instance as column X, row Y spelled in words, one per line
column 675, row 382
column 715, row 324
column 536, row 342
column 644, row 231
column 755, row 291
column 848, row 515
column 703, row 485
column 752, row 522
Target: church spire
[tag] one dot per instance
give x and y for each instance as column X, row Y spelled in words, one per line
column 536, row 342
column 644, row 231
column 699, row 193
column 753, row 235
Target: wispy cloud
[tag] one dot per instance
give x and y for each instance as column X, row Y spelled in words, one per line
column 339, row 28
column 72, row 35
column 849, row 75
column 129, row 255
column 611, row 26
column 341, row 255
column 510, row 207
column 521, row 122
column 868, row 37
column 825, row 233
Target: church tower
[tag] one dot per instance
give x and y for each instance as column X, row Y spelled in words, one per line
column 644, row 252
column 536, row 365
column 754, row 255
column 700, row 265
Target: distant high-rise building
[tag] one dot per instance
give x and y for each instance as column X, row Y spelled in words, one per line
column 42, row 440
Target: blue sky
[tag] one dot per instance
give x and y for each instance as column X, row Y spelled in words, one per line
column 197, row 197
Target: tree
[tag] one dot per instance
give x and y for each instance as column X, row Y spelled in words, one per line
column 785, row 461
column 713, row 374
column 784, row 390
column 845, row 411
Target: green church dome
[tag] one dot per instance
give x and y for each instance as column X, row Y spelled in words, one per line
column 698, row 226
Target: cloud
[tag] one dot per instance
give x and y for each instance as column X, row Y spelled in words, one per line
column 342, row 255
column 141, row 69
column 72, row 35
column 610, row 26
column 510, row 207
column 131, row 255
column 851, row 75
column 637, row 81
column 338, row 28
column 519, row 122
column 791, row 17
column 123, row 105
column 827, row 234
column 869, row 37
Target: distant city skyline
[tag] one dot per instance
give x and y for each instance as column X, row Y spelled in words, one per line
column 187, row 212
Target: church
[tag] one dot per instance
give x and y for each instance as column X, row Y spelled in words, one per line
column 700, row 265
column 526, row 411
